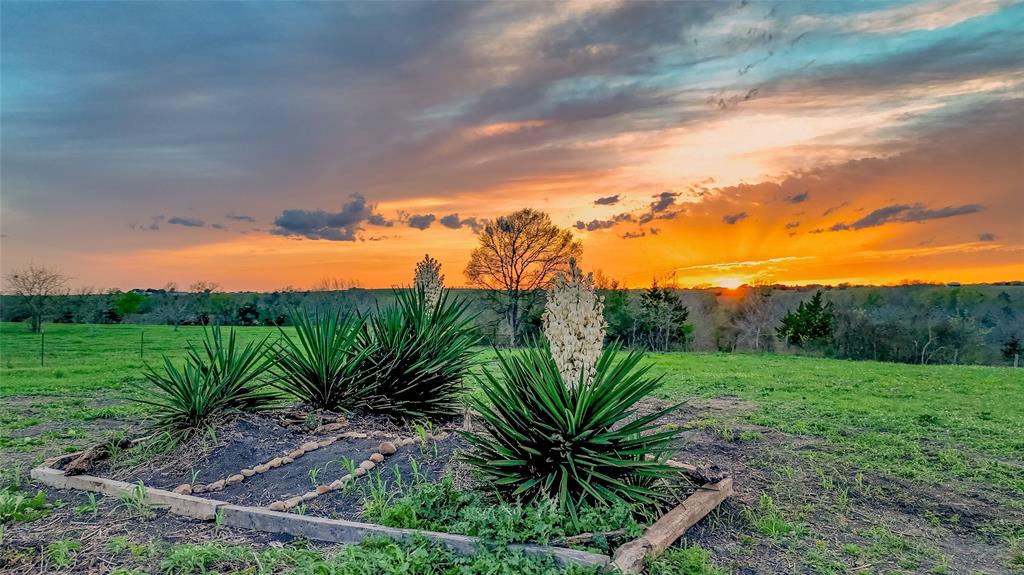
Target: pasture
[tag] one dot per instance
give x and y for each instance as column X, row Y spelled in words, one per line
column 840, row 467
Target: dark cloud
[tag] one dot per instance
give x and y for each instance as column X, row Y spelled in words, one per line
column 663, row 201
column 906, row 213
column 340, row 226
column 986, row 237
column 734, row 218
column 186, row 221
column 452, row 221
column 640, row 233
column 792, row 225
column 607, row 200
column 593, row 225
column 798, row 198
column 240, row 217
column 218, row 226
column 421, row 222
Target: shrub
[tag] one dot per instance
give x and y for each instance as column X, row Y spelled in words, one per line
column 217, row 378
column 544, row 439
column 418, row 354
column 323, row 367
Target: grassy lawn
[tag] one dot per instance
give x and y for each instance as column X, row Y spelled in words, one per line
column 809, row 428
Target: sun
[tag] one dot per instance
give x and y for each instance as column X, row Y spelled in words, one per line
column 729, row 283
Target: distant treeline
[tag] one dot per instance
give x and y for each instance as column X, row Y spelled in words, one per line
column 933, row 324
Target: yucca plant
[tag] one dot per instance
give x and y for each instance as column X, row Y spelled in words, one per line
column 218, row 377
column 583, row 443
column 418, row 354
column 322, row 366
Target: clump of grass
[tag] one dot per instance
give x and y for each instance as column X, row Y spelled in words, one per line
column 690, row 560
column 768, row 520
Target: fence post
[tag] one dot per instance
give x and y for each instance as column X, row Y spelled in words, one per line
column 42, row 345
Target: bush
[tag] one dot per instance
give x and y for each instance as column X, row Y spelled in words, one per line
column 323, row 367
column 17, row 507
column 418, row 354
column 217, row 378
column 543, row 439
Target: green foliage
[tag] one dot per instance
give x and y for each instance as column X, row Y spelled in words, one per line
column 542, row 439
column 810, row 325
column 1012, row 349
column 217, row 378
column 371, row 556
column 128, row 303
column 768, row 520
column 661, row 324
column 322, row 366
column 418, row 355
column 16, row 506
column 693, row 560
column 439, row 506
column 62, row 552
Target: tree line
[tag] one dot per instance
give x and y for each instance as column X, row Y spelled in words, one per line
column 521, row 254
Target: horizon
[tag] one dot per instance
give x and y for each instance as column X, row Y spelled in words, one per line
column 261, row 145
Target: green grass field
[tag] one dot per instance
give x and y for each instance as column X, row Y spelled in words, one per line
column 955, row 428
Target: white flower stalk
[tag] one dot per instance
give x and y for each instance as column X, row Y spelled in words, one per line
column 574, row 326
column 429, row 278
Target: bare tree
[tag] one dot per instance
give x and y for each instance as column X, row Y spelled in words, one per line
column 520, row 254
column 172, row 305
column 37, row 287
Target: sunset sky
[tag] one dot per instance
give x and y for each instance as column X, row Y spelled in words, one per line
column 262, row 145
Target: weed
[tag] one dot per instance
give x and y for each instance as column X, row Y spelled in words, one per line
column 89, row 507
column 768, row 520
column 15, row 506
column 62, row 552
column 692, row 560
column 136, row 503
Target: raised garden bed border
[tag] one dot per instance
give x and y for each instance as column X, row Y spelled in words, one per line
column 628, row 558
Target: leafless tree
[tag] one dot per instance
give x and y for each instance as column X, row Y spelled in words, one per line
column 172, row 305
column 38, row 288
column 334, row 284
column 755, row 319
column 520, row 254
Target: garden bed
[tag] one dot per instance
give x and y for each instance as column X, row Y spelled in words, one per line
column 270, row 473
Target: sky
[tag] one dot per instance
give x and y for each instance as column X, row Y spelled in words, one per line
column 263, row 145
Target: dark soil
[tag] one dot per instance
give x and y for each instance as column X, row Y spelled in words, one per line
column 253, row 439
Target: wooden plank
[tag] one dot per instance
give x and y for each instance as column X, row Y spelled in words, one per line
column 631, row 557
column 259, row 519
column 186, row 505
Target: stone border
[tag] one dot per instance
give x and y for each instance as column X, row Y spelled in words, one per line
column 259, row 519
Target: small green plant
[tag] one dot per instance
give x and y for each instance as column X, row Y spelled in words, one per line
column 322, row 366
column 299, row 509
column 90, row 507
column 314, row 474
column 541, row 438
column 691, row 560
column 136, row 502
column 768, row 520
column 62, row 552
column 216, row 378
column 15, row 506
